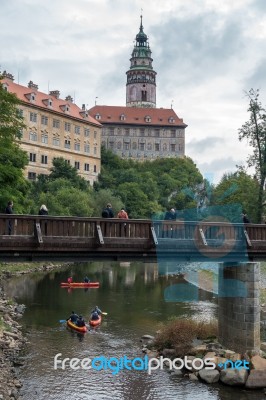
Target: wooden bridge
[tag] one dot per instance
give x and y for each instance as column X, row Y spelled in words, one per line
column 30, row 237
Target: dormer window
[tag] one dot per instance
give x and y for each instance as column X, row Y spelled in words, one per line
column 171, row 120
column 65, row 108
column 5, row 86
column 122, row 117
column 48, row 102
column 31, row 96
column 97, row 116
column 147, row 118
column 84, row 113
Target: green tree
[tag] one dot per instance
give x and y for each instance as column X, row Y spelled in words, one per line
column 12, row 159
column 62, row 169
column 62, row 198
column 254, row 130
column 238, row 188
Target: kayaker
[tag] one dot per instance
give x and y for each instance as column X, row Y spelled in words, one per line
column 80, row 321
column 95, row 316
column 70, row 279
column 73, row 317
column 86, row 279
column 97, row 310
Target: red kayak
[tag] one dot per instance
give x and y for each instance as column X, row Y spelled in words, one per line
column 95, row 322
column 81, row 329
column 80, row 284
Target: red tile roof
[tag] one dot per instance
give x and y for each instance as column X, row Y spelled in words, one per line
column 23, row 92
column 136, row 116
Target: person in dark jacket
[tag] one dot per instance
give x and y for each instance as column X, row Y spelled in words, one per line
column 245, row 218
column 43, row 210
column 9, row 210
column 108, row 211
column 170, row 215
column 73, row 317
column 80, row 321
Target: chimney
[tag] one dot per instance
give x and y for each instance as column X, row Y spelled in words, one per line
column 83, row 107
column 32, row 85
column 8, row 76
column 55, row 93
column 69, row 98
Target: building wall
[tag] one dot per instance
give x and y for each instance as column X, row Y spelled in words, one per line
column 43, row 142
column 139, row 143
column 56, row 128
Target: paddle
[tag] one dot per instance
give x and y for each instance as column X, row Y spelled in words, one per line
column 104, row 313
column 61, row 321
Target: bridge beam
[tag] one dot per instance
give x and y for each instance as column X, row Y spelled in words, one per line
column 239, row 306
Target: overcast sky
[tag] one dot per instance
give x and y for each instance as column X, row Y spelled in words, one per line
column 206, row 53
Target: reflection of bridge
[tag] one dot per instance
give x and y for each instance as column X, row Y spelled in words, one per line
column 68, row 238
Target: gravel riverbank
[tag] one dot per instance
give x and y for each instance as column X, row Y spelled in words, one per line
column 12, row 339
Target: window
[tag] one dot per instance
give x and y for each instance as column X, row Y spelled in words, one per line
column 94, row 168
column 86, row 167
column 111, row 131
column 56, row 123
column 86, row 132
column 142, row 131
column 20, row 112
column 32, row 175
column 44, row 159
column 33, row 136
column 77, row 164
column 157, row 147
column 111, row 145
column 86, row 148
column 77, row 146
column 77, row 130
column 67, row 127
column 32, row 157
column 33, row 117
column 157, row 132
column 67, row 144
column 172, row 147
column 95, row 135
column 56, row 141
column 44, row 120
column 173, row 133
column 127, row 133
column 97, row 116
column 144, row 96
column 45, row 139
column 141, row 146
column 126, row 146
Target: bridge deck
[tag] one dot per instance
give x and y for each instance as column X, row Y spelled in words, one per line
column 29, row 237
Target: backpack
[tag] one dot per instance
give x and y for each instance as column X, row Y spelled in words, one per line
column 105, row 213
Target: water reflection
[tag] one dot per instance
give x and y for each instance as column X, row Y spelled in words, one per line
column 134, row 297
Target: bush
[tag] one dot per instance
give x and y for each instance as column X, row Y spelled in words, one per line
column 179, row 335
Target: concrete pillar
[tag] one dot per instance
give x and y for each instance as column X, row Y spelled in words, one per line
column 239, row 308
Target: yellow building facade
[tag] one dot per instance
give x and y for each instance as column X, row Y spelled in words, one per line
column 56, row 128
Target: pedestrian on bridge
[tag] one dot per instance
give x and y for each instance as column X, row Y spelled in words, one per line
column 9, row 210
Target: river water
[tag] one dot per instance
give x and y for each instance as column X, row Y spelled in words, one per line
column 136, row 298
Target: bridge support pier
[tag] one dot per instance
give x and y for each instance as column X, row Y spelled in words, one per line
column 239, row 308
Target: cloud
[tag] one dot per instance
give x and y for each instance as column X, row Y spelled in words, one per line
column 206, row 54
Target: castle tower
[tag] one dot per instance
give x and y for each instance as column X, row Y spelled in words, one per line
column 141, row 78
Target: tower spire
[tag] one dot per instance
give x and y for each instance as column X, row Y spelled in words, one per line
column 141, row 78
